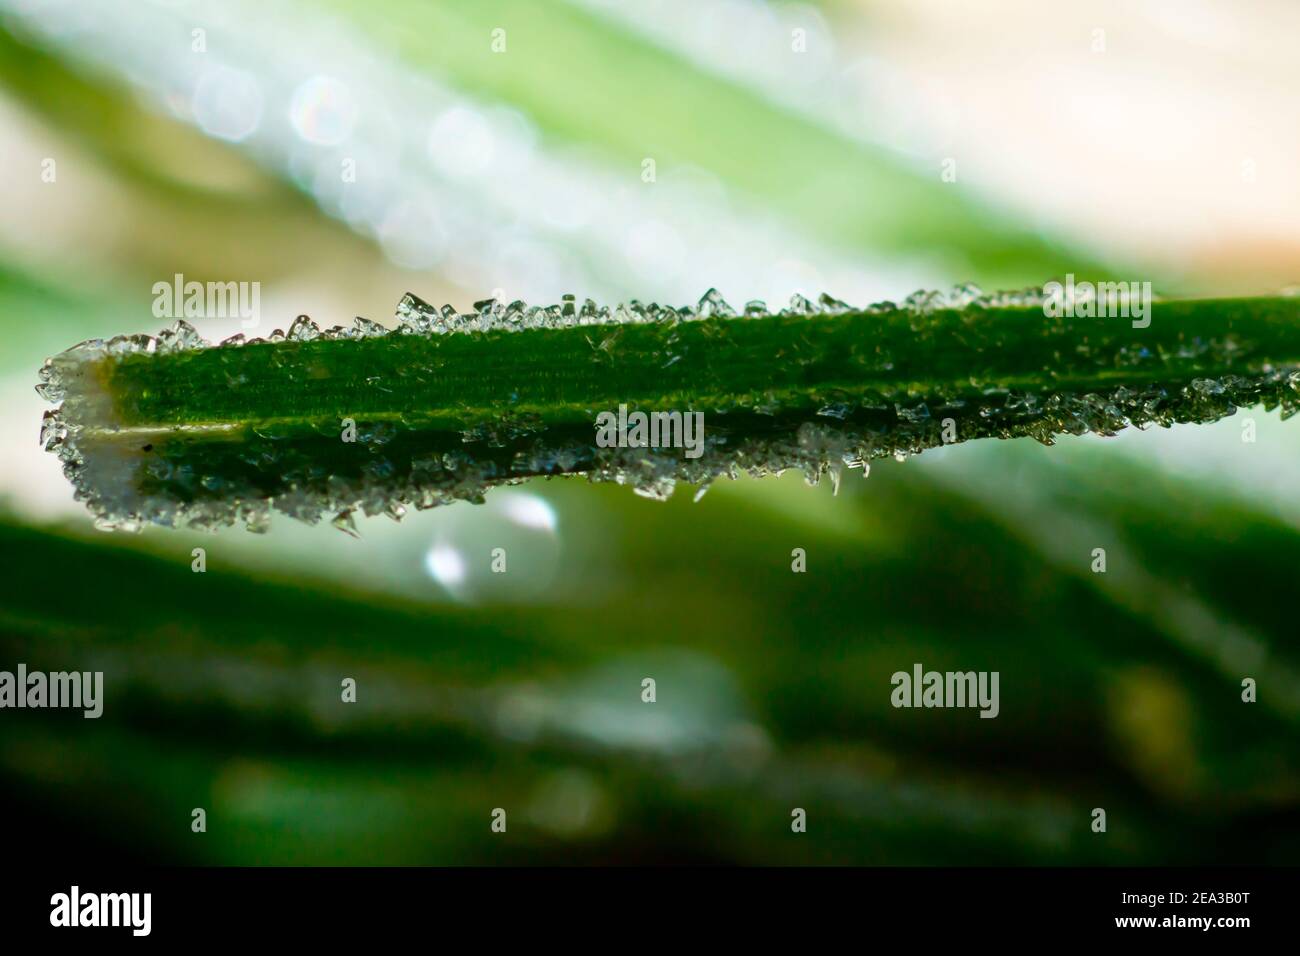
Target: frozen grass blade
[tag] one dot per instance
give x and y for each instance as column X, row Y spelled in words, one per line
column 169, row 430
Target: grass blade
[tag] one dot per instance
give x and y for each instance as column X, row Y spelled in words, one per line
column 171, row 431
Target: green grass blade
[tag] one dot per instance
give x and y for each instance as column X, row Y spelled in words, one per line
column 169, row 431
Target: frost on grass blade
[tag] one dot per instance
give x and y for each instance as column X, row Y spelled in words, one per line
column 316, row 423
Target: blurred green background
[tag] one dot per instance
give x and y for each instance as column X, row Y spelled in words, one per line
column 341, row 154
